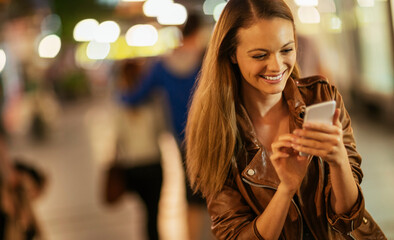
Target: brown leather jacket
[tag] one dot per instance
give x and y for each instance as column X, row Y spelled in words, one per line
column 253, row 180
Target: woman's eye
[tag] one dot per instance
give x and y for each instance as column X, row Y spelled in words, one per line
column 261, row 56
column 287, row 50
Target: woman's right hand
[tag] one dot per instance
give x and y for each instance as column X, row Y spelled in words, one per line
column 289, row 165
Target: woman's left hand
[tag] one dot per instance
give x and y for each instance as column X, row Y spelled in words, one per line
column 323, row 140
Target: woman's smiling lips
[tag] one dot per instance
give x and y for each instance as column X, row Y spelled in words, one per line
column 273, row 79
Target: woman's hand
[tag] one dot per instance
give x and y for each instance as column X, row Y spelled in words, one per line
column 323, row 140
column 290, row 167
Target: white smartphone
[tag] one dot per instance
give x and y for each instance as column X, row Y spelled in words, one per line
column 320, row 112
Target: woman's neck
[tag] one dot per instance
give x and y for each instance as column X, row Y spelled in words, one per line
column 270, row 118
column 265, row 109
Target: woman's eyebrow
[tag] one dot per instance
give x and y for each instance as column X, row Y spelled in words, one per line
column 266, row 50
column 287, row 44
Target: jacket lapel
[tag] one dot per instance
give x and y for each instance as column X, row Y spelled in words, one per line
column 260, row 171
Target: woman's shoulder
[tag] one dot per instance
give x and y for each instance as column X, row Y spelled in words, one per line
column 315, row 83
column 311, row 80
column 316, row 89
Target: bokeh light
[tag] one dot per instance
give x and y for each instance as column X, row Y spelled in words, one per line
column 309, row 15
column 307, row 3
column 3, row 59
column 170, row 37
column 176, row 14
column 218, row 10
column 335, row 23
column 366, row 3
column 107, row 32
column 49, row 46
column 97, row 50
column 209, row 6
column 85, row 30
column 142, row 35
column 153, row 8
column 82, row 60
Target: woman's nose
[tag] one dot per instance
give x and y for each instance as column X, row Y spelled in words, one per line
column 274, row 63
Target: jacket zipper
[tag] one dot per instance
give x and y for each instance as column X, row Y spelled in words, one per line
column 272, row 188
column 350, row 235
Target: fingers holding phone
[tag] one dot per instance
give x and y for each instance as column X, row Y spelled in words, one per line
column 318, row 118
column 321, row 134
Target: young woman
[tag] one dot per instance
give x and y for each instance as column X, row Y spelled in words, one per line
column 245, row 131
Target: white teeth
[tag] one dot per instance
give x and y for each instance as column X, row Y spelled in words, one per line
column 273, row 78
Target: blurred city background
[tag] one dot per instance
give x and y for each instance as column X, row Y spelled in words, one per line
column 59, row 69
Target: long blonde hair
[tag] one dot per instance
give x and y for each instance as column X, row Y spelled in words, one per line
column 211, row 129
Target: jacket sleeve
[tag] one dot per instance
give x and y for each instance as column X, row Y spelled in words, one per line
column 345, row 223
column 231, row 216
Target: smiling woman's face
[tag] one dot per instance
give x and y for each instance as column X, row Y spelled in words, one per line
column 266, row 55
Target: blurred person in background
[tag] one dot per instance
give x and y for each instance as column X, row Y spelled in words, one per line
column 17, row 196
column 175, row 73
column 137, row 159
column 245, row 131
column 29, row 98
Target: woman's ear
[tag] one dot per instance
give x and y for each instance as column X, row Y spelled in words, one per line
column 234, row 59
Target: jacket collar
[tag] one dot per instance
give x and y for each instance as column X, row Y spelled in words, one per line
column 259, row 169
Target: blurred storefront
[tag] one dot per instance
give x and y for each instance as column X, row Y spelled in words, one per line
column 374, row 84
column 354, row 42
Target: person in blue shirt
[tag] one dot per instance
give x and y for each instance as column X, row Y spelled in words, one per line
column 177, row 89
column 174, row 76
